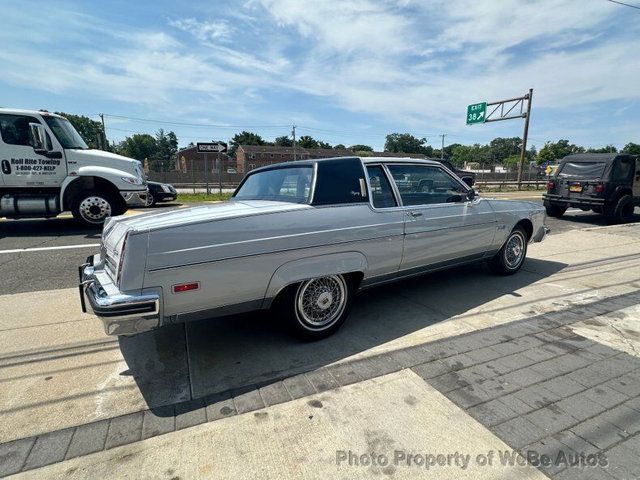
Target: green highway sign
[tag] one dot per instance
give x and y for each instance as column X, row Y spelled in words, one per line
column 476, row 113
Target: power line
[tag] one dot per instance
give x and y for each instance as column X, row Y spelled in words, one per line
column 138, row 131
column 625, row 4
column 166, row 122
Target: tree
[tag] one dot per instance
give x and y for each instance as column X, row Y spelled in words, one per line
column 606, row 149
column 555, row 151
column 631, row 148
column 407, row 143
column 284, row 141
column 245, row 138
column 89, row 130
column 511, row 162
column 465, row 154
column 360, row 148
column 502, row 148
column 340, row 146
column 140, row 146
column 164, row 157
column 306, row 141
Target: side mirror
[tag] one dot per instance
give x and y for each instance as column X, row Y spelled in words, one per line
column 38, row 138
column 471, row 194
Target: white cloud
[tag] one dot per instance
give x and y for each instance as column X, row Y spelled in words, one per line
column 205, row 31
column 410, row 63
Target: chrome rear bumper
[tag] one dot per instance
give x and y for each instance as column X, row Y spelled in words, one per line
column 120, row 313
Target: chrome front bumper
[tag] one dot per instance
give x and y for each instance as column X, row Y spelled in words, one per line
column 121, row 314
column 135, row 198
column 542, row 232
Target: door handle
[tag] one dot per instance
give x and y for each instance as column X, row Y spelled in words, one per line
column 414, row 214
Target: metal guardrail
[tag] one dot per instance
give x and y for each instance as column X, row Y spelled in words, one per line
column 502, row 183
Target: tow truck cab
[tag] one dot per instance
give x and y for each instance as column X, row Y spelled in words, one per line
column 47, row 168
column 607, row 183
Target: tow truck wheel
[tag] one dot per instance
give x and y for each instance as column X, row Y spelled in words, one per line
column 555, row 210
column 91, row 208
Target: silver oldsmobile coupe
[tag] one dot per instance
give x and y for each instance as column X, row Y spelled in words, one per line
column 301, row 237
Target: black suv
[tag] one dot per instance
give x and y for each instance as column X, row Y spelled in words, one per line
column 607, row 183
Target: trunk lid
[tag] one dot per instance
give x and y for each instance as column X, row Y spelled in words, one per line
column 213, row 212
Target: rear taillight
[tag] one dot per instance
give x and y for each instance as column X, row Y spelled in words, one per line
column 121, row 259
column 551, row 185
column 599, row 188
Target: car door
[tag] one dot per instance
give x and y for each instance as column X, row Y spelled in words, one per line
column 441, row 224
column 21, row 165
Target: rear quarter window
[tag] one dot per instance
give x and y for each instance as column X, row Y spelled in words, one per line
column 582, row 169
column 340, row 181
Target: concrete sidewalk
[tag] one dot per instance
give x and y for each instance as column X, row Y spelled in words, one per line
column 60, row 371
column 394, row 425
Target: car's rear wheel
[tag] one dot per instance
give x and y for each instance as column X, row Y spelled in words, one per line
column 512, row 254
column 317, row 307
column 555, row 210
column 623, row 211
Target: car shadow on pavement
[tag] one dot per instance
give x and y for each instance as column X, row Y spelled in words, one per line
column 47, row 227
column 232, row 353
column 582, row 219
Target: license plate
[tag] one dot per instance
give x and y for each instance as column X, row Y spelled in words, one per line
column 575, row 188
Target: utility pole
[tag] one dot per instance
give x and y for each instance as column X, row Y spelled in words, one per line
column 104, row 133
column 219, row 173
column 523, row 152
column 442, row 149
column 206, row 173
column 293, row 133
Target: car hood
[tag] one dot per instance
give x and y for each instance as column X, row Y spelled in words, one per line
column 205, row 213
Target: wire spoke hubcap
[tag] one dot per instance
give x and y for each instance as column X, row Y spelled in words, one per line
column 321, row 301
column 94, row 209
column 514, row 250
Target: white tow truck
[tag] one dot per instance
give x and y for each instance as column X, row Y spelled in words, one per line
column 46, row 168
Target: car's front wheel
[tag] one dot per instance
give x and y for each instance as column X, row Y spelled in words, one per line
column 317, row 307
column 512, row 254
column 151, row 200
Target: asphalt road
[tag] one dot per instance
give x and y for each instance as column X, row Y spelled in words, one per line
column 54, row 267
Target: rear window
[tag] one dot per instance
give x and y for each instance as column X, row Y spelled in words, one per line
column 582, row 169
column 290, row 184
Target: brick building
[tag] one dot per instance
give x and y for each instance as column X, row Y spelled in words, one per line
column 189, row 159
column 249, row 157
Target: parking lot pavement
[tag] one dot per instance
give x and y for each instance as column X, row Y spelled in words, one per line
column 464, row 331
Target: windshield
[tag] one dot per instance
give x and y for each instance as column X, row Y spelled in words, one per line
column 65, row 133
column 582, row 169
column 290, row 184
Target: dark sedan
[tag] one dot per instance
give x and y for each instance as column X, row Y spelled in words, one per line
column 160, row 192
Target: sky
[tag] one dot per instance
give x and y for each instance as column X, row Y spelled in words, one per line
column 343, row 71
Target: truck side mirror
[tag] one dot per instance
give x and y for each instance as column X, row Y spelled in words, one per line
column 38, row 138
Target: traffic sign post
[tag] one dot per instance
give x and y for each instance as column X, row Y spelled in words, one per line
column 505, row 110
column 211, row 147
column 476, row 113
